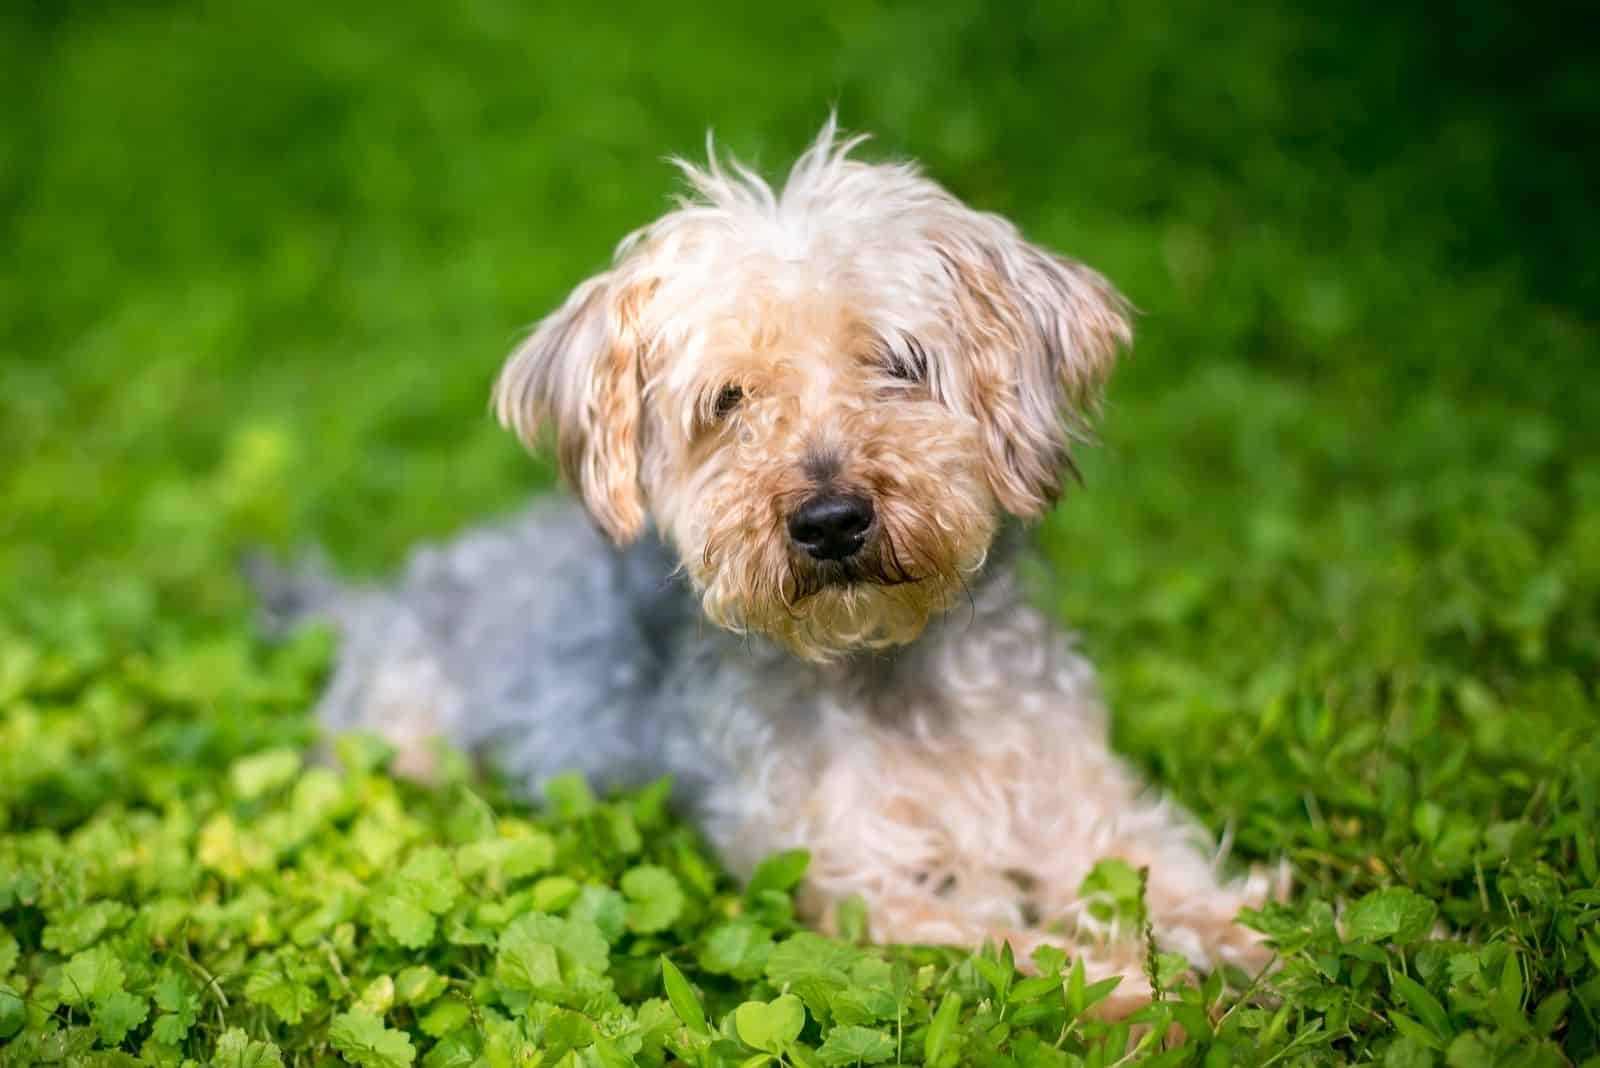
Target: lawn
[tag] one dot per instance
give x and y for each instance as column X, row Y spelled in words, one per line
column 1336, row 554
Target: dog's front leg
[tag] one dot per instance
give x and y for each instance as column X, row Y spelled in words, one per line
column 940, row 855
column 1104, row 811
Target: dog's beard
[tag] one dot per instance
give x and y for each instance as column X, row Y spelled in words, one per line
column 845, row 616
column 879, row 563
column 884, row 595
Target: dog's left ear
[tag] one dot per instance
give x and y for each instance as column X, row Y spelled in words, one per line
column 1040, row 335
column 579, row 373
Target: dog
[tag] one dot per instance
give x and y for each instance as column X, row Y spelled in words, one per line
column 807, row 425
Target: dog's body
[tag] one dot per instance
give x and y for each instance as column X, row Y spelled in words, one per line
column 825, row 647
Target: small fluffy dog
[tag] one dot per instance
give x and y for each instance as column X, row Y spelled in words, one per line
column 814, row 418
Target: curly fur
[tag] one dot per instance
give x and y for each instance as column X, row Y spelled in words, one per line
column 904, row 714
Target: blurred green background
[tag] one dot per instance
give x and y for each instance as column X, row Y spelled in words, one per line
column 1337, row 554
column 260, row 261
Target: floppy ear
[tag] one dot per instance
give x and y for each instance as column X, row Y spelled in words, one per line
column 579, row 372
column 1039, row 336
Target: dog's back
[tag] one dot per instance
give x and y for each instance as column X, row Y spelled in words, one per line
column 531, row 641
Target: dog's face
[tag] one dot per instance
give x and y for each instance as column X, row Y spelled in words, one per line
column 825, row 398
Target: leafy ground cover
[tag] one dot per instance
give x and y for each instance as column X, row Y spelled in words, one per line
column 1337, row 556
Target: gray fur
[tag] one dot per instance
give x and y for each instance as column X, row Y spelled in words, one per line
column 947, row 763
column 530, row 642
column 534, row 644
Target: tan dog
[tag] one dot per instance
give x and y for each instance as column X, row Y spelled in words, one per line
column 835, row 403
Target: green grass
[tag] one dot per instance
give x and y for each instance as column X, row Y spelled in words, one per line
column 1337, row 555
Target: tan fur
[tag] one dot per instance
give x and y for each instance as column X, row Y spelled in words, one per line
column 956, row 822
column 1041, row 333
column 863, row 332
column 808, row 304
column 580, row 372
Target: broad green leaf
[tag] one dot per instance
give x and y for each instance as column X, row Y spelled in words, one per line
column 284, row 985
column 528, row 965
column 404, row 920
column 364, row 1040
column 78, row 928
column 419, row 985
column 1414, row 1031
column 1550, row 1012
column 445, row 1016
column 171, row 1027
column 807, row 956
column 91, row 974
column 12, row 1011
column 603, row 907
column 264, row 772
column 780, row 871
column 1113, row 888
column 578, row 940
column 1469, row 1051
column 1169, row 966
column 654, row 898
column 771, row 1026
column 377, row 997
column 1050, row 960
column 1408, row 1052
column 569, row 796
column 460, row 1050
column 1035, row 987
column 856, row 1045
column 429, row 879
column 1394, row 914
column 235, row 1049
column 1425, row 1005
column 116, row 1014
column 739, row 949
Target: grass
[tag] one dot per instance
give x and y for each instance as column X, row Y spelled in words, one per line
column 1337, row 555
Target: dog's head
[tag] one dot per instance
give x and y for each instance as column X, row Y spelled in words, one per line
column 825, row 397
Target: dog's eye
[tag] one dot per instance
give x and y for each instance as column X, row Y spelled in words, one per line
column 904, row 369
column 728, row 400
column 908, row 362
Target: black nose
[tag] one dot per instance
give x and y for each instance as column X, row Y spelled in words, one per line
column 831, row 526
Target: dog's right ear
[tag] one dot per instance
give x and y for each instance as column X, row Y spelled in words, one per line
column 579, row 372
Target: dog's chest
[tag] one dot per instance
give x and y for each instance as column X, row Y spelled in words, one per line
column 936, row 752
